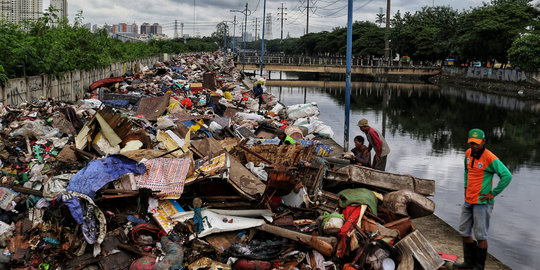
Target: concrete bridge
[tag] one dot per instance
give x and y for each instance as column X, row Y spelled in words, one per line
column 336, row 65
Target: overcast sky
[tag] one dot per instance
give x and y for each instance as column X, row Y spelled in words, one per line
column 203, row 16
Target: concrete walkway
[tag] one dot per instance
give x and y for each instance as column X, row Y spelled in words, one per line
column 446, row 239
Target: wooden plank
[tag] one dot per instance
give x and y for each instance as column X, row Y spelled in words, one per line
column 289, row 234
column 383, row 180
column 247, row 184
column 153, row 107
column 244, row 181
column 328, row 202
column 416, row 244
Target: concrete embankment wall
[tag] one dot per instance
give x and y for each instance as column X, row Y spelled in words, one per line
column 70, row 87
column 493, row 74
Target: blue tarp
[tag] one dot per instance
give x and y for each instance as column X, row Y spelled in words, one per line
column 102, row 171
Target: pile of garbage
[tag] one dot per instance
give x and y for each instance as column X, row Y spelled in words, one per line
column 181, row 166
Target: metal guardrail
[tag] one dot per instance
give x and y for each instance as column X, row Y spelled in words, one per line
column 327, row 61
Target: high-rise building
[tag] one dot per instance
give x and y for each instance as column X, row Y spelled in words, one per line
column 88, row 26
column 94, row 28
column 268, row 27
column 134, row 28
column 156, row 29
column 122, row 28
column 145, row 28
column 61, row 11
column 17, row 10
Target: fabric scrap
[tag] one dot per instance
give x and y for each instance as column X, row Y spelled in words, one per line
column 167, row 175
column 100, row 172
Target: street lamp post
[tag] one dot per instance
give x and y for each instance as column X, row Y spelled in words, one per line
column 245, row 12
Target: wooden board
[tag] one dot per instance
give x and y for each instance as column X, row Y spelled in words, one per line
column 247, row 184
column 153, row 107
column 416, row 244
column 383, row 180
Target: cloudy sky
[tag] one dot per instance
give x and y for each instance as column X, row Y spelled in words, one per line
column 201, row 16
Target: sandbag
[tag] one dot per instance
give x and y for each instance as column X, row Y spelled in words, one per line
column 302, row 110
column 408, row 203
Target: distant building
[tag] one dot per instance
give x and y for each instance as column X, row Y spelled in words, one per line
column 156, row 29
column 88, row 26
column 61, row 7
column 18, row 10
column 122, row 28
column 134, row 28
column 94, row 28
column 145, row 28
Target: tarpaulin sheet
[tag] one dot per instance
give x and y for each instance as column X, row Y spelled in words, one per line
column 167, row 175
column 102, row 171
column 214, row 222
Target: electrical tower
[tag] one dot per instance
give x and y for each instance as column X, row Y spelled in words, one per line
column 281, row 13
column 268, row 27
column 256, row 28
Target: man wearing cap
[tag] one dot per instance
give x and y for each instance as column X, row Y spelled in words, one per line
column 480, row 166
column 376, row 142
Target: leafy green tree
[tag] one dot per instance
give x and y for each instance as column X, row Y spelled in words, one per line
column 33, row 48
column 381, row 18
column 222, row 29
column 525, row 51
column 429, row 34
column 368, row 39
column 486, row 33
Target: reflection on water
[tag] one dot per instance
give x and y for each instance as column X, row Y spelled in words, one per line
column 426, row 128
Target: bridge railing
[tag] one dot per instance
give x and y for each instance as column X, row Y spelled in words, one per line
column 327, row 61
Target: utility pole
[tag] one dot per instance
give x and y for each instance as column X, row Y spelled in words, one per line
column 175, row 28
column 282, row 13
column 256, row 29
column 193, row 18
column 386, row 34
column 245, row 24
column 307, row 18
column 234, row 34
column 225, row 40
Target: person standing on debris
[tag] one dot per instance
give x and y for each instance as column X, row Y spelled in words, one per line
column 376, row 142
column 258, row 92
column 362, row 156
column 480, row 166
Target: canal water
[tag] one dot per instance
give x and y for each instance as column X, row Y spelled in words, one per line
column 426, row 127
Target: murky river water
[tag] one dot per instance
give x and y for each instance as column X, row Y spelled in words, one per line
column 426, row 128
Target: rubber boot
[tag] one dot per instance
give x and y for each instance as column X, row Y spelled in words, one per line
column 469, row 256
column 481, row 255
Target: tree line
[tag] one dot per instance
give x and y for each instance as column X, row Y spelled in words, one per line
column 34, row 47
column 498, row 31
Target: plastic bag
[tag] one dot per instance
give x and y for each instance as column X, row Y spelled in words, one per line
column 35, row 129
column 258, row 170
column 332, row 223
column 164, row 123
